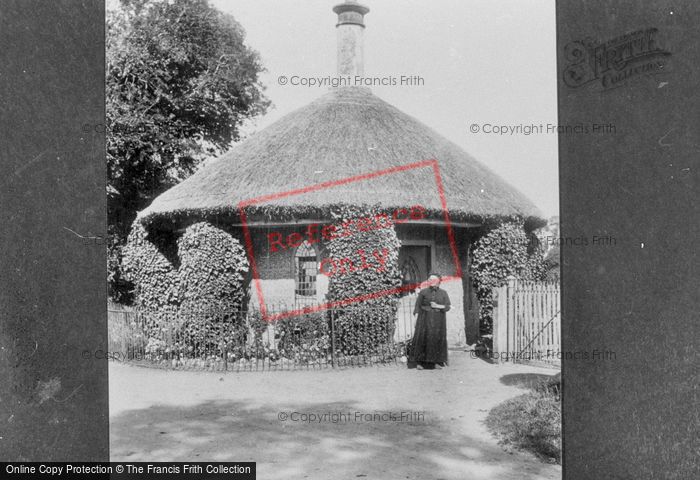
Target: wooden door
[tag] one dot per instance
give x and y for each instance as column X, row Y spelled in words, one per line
column 414, row 263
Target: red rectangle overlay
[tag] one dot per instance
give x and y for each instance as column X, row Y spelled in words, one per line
column 432, row 164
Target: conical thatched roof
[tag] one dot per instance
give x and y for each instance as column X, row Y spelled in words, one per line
column 345, row 133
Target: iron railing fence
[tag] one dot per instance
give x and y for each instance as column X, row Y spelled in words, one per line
column 240, row 340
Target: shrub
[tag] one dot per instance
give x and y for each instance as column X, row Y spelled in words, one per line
column 531, row 421
column 363, row 329
column 255, row 346
column 360, row 328
column 257, row 327
column 212, row 273
column 503, row 252
column 196, row 304
column 551, row 261
column 155, row 279
column 293, row 330
column 551, row 386
column 208, row 331
column 303, row 338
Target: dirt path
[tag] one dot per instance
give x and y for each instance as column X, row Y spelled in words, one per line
column 162, row 415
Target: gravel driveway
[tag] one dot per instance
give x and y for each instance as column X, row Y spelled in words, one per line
column 314, row 424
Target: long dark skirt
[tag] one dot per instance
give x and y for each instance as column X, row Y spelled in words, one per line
column 429, row 340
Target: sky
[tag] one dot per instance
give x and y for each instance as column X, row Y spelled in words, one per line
column 483, row 62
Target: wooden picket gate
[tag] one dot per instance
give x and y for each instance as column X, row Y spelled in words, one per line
column 527, row 323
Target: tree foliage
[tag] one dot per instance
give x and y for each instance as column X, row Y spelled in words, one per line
column 550, row 237
column 180, row 83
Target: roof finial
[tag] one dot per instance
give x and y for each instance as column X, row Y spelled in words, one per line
column 350, row 28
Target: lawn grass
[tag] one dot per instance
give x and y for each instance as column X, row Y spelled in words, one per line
column 531, row 421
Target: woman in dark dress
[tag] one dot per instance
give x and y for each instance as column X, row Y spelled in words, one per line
column 429, row 347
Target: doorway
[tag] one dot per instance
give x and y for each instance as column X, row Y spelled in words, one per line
column 414, row 264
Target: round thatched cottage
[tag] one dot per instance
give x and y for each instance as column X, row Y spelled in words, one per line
column 348, row 132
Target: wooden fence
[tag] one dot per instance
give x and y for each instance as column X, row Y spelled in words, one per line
column 527, row 323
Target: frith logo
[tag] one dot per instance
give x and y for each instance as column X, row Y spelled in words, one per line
column 615, row 61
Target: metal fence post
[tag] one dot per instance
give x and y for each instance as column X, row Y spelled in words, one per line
column 332, row 337
column 224, row 351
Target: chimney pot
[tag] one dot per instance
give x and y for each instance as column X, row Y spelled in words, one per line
column 349, row 29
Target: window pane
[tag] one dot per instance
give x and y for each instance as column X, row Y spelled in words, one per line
column 306, row 266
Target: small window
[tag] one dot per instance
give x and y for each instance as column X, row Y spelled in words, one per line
column 305, row 270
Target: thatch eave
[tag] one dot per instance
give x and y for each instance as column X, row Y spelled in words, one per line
column 345, row 133
column 260, row 216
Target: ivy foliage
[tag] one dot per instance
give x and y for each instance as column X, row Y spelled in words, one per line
column 362, row 329
column 213, row 269
column 371, row 266
column 504, row 251
column 193, row 288
column 154, row 277
column 212, row 293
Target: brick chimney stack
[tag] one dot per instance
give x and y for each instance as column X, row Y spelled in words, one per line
column 350, row 27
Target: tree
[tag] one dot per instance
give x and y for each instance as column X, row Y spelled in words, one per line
column 180, row 83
